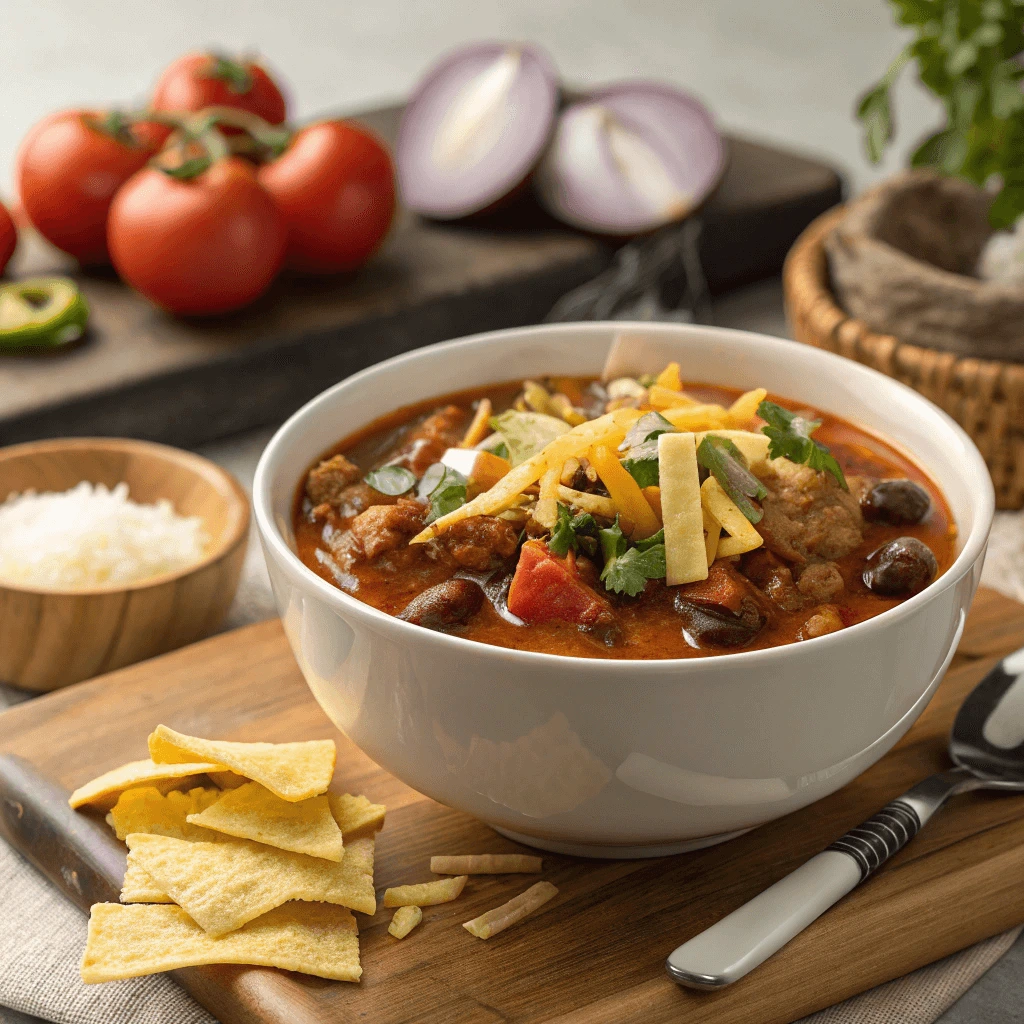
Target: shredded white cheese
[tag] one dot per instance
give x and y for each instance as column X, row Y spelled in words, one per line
column 91, row 536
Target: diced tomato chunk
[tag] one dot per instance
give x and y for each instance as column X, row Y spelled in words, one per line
column 724, row 587
column 546, row 588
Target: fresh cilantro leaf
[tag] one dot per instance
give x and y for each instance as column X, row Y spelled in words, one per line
column 392, row 480
column 572, row 532
column 563, row 536
column 430, row 479
column 727, row 465
column 647, row 428
column 642, row 464
column 790, row 438
column 651, row 542
column 641, row 448
column 629, row 572
column 613, row 541
column 627, row 569
column 501, row 450
column 447, row 495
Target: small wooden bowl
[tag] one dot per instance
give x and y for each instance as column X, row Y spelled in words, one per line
column 50, row 638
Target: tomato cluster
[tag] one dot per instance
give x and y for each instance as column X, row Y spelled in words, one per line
column 199, row 200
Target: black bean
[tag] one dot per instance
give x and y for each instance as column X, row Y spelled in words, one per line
column 449, row 604
column 900, row 567
column 895, row 501
column 706, row 625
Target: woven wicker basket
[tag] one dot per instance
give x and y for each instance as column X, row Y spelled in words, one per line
column 984, row 396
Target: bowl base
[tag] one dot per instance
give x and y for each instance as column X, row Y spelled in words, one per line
column 618, row 852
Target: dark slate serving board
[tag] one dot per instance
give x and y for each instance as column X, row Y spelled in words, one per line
column 143, row 373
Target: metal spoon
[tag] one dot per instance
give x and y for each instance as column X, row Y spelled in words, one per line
column 986, row 745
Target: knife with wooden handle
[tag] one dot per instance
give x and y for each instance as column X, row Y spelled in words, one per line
column 78, row 854
column 82, row 858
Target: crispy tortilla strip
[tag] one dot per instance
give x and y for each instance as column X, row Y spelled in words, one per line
column 148, row 810
column 487, row 864
column 138, row 885
column 595, row 504
column 102, row 792
column 624, row 491
column 742, row 535
column 712, row 533
column 253, row 812
column 669, row 378
column 223, row 885
column 479, row 427
column 546, row 510
column 685, row 549
column 293, row 771
column 609, row 429
column 754, row 446
column 696, row 417
column 405, row 919
column 425, row 894
column 312, row 938
column 497, row 920
column 744, row 409
column 355, row 815
column 663, row 398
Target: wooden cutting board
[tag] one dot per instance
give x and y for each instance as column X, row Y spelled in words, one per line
column 595, row 954
column 142, row 373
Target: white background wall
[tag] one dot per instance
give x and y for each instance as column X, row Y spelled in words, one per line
column 787, row 70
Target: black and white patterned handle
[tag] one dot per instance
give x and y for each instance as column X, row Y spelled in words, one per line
column 882, row 835
column 737, row 944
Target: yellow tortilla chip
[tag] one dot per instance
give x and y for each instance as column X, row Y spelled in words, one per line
column 102, row 792
column 253, row 812
column 127, row 942
column 425, row 894
column 148, row 810
column 405, row 919
column 293, row 771
column 227, row 780
column 138, row 886
column 223, row 885
column 355, row 815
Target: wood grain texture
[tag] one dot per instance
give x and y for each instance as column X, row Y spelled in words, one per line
column 51, row 639
column 594, row 954
column 143, row 373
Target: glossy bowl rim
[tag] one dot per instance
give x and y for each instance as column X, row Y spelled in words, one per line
column 154, row 449
column 973, row 545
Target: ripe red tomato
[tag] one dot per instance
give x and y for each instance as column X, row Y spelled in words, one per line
column 200, row 245
column 200, row 80
column 68, row 169
column 336, row 188
column 8, row 237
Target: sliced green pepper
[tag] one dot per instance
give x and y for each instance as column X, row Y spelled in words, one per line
column 41, row 312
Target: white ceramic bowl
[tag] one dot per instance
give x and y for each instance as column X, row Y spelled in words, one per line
column 622, row 758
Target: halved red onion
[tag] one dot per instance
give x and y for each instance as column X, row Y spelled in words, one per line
column 475, row 128
column 630, row 158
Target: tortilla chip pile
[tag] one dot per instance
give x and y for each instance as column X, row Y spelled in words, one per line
column 238, row 855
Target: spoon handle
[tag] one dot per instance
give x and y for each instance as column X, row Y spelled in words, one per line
column 738, row 943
